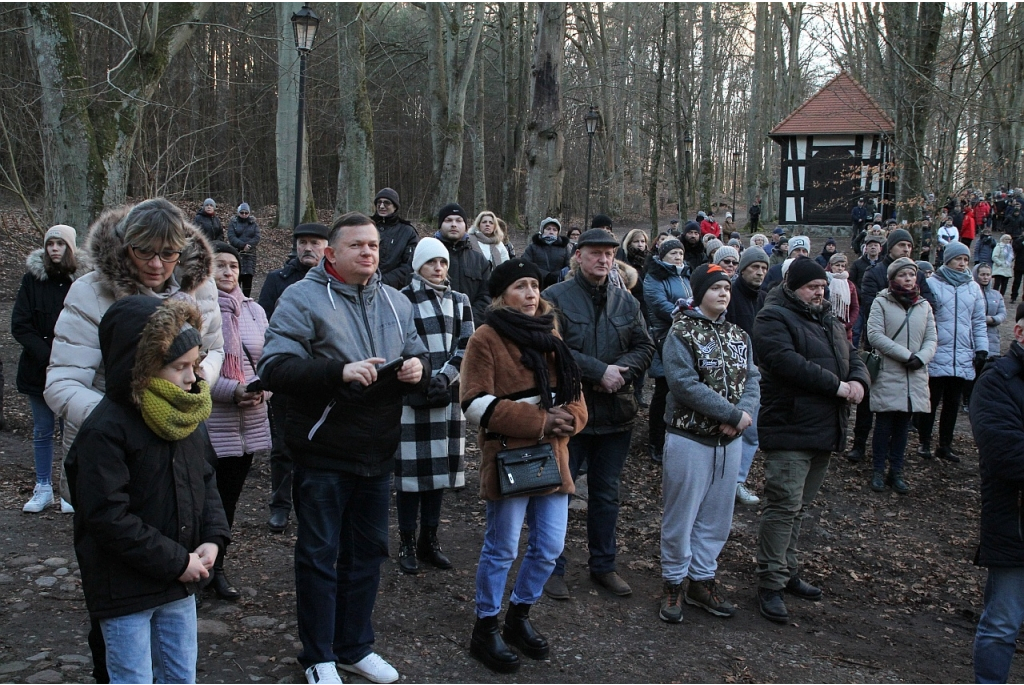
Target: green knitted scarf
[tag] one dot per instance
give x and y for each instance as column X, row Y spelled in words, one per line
column 172, row 413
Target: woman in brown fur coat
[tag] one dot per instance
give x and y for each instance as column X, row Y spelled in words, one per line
column 522, row 386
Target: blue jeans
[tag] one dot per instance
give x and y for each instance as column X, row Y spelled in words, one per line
column 342, row 541
column 890, row 442
column 996, row 637
column 546, row 517
column 157, row 645
column 750, row 444
column 42, row 438
column 605, row 456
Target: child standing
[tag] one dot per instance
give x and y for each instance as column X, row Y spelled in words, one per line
column 713, row 393
column 149, row 523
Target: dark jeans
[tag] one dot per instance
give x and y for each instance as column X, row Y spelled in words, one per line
column 231, row 473
column 1018, row 276
column 862, row 422
column 425, row 504
column 999, row 283
column 605, row 456
column 245, row 281
column 342, row 541
column 890, row 443
column 280, row 456
column 945, row 389
column 656, row 420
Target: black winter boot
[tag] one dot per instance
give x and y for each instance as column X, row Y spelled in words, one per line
column 899, row 485
column 519, row 632
column 487, row 646
column 220, row 583
column 407, row 552
column 428, row 549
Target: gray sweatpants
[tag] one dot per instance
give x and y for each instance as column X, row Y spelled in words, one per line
column 699, row 485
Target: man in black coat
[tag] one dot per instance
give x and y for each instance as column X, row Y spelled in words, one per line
column 997, row 419
column 605, row 330
column 398, row 240
column 899, row 244
column 468, row 270
column 743, row 308
column 858, row 218
column 310, row 241
column 809, row 377
column 692, row 246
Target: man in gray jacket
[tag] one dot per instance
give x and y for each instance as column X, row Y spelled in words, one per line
column 606, row 333
column 329, row 335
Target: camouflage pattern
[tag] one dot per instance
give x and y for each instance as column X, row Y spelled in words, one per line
column 720, row 350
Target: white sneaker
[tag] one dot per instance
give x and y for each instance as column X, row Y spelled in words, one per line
column 323, row 673
column 42, row 496
column 744, row 496
column 65, row 507
column 373, row 668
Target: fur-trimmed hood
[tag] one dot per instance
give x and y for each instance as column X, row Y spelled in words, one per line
column 37, row 267
column 135, row 334
column 104, row 250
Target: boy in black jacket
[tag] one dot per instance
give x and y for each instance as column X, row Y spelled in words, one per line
column 149, row 523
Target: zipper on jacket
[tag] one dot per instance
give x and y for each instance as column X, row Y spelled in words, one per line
column 366, row 321
column 956, row 323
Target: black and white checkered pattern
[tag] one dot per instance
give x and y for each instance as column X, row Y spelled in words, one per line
column 432, row 451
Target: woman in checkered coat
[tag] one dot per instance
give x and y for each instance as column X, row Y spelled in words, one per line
column 431, row 455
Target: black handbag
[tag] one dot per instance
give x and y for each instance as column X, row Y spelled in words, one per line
column 527, row 470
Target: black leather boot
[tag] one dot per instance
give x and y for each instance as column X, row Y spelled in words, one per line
column 407, row 552
column 220, row 583
column 487, row 646
column 519, row 632
column 428, row 549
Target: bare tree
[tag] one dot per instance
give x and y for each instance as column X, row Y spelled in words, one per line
column 355, row 152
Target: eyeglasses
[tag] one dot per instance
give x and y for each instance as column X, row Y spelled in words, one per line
column 169, row 256
column 729, row 262
column 385, row 203
column 243, row 214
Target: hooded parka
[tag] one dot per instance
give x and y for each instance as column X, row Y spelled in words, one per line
column 897, row 388
column 36, row 308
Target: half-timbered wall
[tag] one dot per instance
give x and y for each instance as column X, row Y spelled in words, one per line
column 823, row 175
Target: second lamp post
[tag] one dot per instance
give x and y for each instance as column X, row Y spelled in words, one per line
column 304, row 23
column 591, row 120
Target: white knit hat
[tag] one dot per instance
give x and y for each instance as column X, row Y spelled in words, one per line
column 427, row 249
column 62, row 232
column 799, row 241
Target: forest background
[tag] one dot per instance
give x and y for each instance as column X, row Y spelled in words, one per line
column 484, row 103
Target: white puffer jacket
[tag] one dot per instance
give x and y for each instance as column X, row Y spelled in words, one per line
column 960, row 324
column 75, row 380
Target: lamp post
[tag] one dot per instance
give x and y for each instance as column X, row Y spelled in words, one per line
column 735, row 164
column 591, row 120
column 304, row 24
column 684, row 210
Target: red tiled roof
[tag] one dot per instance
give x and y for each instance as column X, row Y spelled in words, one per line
column 842, row 106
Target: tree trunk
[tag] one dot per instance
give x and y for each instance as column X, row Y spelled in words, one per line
column 545, row 171
column 355, row 152
column 479, row 159
column 705, row 174
column 287, row 113
column 652, row 190
column 72, row 167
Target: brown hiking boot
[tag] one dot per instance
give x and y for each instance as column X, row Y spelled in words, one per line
column 671, row 607
column 704, row 594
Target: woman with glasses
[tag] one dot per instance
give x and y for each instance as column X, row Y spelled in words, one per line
column 727, row 257
column 244, row 236
column 149, row 249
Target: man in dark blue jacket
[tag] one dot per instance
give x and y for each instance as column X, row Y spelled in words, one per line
column 310, row 241
column 997, row 419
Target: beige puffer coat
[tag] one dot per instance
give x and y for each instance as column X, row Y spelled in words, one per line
column 75, row 379
column 897, row 388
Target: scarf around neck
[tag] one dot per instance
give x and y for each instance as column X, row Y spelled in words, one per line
column 172, row 413
column 839, row 295
column 953, row 277
column 905, row 296
column 230, row 308
column 535, row 337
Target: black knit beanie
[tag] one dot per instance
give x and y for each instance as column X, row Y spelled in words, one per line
column 668, row 246
column 509, row 272
column 703, row 277
column 387, row 194
column 803, row 271
column 452, row 208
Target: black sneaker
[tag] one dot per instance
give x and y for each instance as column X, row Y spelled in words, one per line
column 948, row 454
column 899, row 486
column 771, row 606
column 856, row 454
column 878, row 481
column 924, row 451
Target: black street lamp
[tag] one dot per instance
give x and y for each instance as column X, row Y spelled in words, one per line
column 735, row 164
column 304, row 23
column 684, row 209
column 591, row 120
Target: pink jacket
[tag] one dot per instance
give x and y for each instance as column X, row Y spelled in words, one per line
column 235, row 431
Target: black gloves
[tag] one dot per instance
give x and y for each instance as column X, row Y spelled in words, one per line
column 979, row 359
column 437, row 390
column 914, row 363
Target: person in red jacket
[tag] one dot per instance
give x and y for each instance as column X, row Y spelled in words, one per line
column 708, row 225
column 968, row 229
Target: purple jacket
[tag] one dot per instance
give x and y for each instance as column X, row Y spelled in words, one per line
column 235, row 431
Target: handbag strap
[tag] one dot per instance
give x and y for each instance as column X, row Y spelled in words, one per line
column 902, row 325
column 248, row 356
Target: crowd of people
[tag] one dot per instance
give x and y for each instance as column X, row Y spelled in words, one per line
column 372, row 350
